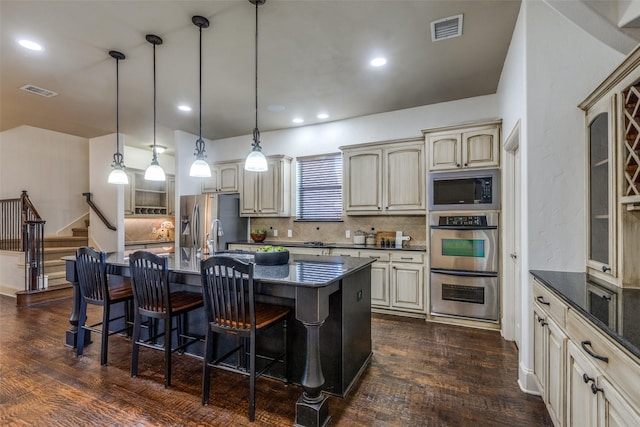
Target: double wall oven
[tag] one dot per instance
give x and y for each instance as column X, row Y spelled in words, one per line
column 464, row 265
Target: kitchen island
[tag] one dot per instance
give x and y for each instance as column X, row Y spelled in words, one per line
column 330, row 344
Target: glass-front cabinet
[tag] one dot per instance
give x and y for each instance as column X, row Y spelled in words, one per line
column 601, row 187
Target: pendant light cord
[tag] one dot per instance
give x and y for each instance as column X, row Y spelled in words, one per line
column 200, row 87
column 256, row 131
column 155, row 156
column 118, row 106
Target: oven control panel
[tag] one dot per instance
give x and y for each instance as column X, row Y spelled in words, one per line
column 463, row 221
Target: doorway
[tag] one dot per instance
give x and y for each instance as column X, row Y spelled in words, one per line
column 512, row 283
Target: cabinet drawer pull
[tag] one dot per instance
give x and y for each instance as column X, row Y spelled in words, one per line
column 586, row 378
column 541, row 300
column 406, row 257
column 595, row 389
column 591, row 353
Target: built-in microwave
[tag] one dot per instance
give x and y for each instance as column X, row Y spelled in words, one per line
column 464, row 190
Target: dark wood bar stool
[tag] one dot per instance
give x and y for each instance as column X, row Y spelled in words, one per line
column 154, row 300
column 94, row 287
column 231, row 309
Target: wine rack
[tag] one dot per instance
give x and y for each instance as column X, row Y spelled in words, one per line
column 631, row 145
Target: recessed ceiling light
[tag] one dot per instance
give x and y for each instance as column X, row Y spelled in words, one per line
column 159, row 148
column 31, row 45
column 184, row 108
column 323, row 116
column 275, row 107
column 298, row 120
column 378, row 62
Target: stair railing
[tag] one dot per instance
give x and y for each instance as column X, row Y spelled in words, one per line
column 32, row 243
column 22, row 230
column 98, row 212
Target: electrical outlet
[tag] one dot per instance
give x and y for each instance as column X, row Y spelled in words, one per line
column 275, row 233
column 153, row 230
column 289, row 233
column 347, row 234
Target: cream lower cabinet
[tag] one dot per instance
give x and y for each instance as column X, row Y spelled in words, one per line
column 384, row 179
column 380, row 291
column 407, row 286
column 459, row 147
column 550, row 343
column 585, row 377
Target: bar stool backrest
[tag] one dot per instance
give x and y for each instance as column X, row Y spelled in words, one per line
column 150, row 283
column 228, row 294
column 92, row 275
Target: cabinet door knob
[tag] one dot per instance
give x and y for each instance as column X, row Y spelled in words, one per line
column 378, row 207
column 595, row 389
column 586, row 378
column 605, row 268
column 457, row 165
column 466, row 164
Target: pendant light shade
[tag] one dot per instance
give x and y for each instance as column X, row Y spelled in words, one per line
column 200, row 168
column 256, row 161
column 154, row 172
column 117, row 175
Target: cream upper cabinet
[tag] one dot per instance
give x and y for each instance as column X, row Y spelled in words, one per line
column 601, row 235
column 267, row 193
column 385, row 178
column 362, row 180
column 612, row 148
column 171, row 195
column 225, row 178
column 468, row 146
column 129, row 194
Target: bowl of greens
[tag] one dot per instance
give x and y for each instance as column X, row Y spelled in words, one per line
column 258, row 235
column 271, row 255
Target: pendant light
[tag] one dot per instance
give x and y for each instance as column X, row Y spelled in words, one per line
column 117, row 175
column 200, row 168
column 256, row 161
column 154, row 172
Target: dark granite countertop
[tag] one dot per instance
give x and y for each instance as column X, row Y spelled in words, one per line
column 302, row 270
column 329, row 245
column 579, row 292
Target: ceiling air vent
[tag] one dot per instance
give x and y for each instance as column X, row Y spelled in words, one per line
column 446, row 28
column 39, row 91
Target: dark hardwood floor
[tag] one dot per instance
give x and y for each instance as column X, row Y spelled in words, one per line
column 422, row 374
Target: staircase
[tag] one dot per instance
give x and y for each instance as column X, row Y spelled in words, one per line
column 55, row 247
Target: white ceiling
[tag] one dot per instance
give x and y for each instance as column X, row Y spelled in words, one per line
column 313, row 58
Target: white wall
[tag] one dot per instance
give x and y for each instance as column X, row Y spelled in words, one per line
column 327, row 137
column 109, row 198
column 551, row 67
column 53, row 167
column 564, row 64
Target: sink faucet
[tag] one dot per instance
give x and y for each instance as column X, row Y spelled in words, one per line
column 214, row 232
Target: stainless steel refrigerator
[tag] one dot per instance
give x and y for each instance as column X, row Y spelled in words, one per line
column 198, row 225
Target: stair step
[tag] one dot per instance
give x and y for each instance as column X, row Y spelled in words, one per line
column 83, row 231
column 64, row 241
column 54, row 254
column 53, row 292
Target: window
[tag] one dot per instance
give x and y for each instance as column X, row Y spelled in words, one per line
column 319, row 188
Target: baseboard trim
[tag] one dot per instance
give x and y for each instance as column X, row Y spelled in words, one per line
column 526, row 380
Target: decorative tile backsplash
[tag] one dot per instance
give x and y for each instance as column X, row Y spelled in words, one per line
column 141, row 229
column 334, row 232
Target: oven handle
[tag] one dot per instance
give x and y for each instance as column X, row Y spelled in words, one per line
column 457, row 227
column 465, row 273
